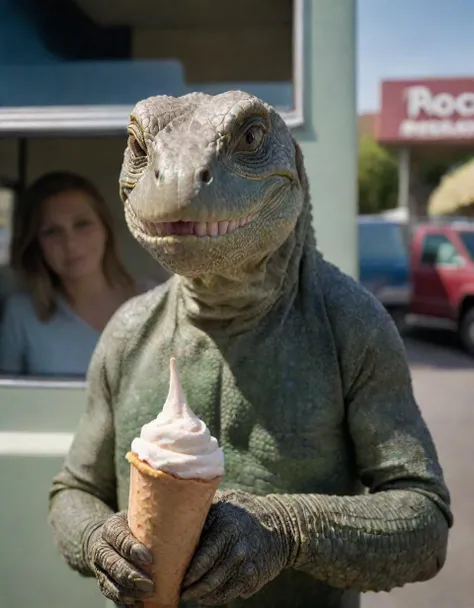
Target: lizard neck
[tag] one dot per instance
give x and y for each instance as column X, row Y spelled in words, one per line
column 236, row 301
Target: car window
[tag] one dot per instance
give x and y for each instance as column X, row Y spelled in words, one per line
column 381, row 241
column 467, row 239
column 438, row 249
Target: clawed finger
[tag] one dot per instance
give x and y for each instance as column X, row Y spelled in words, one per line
column 226, row 594
column 117, row 534
column 118, row 594
column 242, row 584
column 208, row 583
column 214, row 545
column 218, row 577
column 202, row 562
column 119, row 570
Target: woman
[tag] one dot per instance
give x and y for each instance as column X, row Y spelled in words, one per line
column 64, row 248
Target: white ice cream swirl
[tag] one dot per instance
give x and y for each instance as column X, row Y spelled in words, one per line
column 177, row 441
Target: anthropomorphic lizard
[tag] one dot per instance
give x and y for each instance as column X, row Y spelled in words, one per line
column 332, row 483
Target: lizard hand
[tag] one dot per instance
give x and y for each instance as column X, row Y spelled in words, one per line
column 243, row 547
column 117, row 558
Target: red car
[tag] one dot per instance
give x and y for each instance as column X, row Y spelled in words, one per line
column 442, row 275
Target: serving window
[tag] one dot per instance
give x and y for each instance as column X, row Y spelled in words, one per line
column 58, row 348
column 51, row 81
column 64, row 104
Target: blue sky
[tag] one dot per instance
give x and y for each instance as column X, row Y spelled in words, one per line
column 412, row 38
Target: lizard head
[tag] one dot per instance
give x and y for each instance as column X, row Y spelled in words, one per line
column 210, row 182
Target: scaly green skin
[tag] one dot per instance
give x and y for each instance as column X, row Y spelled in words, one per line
column 296, row 369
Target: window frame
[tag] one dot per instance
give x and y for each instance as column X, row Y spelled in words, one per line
column 33, row 382
column 437, row 264
column 13, row 188
column 469, row 255
column 113, row 119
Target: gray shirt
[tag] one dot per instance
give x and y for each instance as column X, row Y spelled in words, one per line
column 60, row 346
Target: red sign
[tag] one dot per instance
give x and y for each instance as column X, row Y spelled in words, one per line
column 437, row 110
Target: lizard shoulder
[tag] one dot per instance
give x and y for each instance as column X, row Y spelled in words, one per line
column 358, row 320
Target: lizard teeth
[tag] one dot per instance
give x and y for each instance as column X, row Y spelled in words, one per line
column 200, row 229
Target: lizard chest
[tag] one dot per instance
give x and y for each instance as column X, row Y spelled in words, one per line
column 275, row 407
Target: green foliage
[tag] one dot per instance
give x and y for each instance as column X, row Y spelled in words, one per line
column 378, row 177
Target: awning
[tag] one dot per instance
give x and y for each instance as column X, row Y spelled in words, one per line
column 455, row 194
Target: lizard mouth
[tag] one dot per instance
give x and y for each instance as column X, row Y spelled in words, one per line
column 198, row 229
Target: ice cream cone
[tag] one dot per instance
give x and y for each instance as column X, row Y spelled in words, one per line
column 167, row 515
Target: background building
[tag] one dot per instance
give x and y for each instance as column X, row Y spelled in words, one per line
column 429, row 125
column 69, row 74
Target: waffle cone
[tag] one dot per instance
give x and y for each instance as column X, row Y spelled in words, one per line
column 167, row 515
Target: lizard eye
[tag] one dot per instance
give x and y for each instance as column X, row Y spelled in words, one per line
column 251, row 139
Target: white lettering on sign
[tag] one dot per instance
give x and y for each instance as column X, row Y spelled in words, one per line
column 436, row 129
column 442, row 105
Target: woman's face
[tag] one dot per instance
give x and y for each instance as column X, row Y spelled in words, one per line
column 71, row 235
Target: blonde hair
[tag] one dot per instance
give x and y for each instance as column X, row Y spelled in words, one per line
column 25, row 251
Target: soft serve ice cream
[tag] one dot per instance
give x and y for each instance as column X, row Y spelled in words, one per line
column 177, row 442
column 176, row 467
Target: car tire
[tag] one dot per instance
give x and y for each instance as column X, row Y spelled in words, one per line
column 466, row 330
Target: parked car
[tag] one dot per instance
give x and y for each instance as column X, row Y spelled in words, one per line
column 442, row 275
column 384, row 263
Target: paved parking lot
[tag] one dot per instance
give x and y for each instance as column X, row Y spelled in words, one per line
column 444, row 386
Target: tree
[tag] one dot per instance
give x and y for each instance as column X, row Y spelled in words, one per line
column 377, row 177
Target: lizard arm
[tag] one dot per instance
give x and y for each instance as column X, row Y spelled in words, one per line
column 83, row 496
column 397, row 533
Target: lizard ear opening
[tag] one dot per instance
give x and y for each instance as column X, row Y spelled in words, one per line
column 136, row 141
column 135, row 147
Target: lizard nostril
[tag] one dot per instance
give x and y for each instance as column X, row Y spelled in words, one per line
column 157, row 174
column 204, row 175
